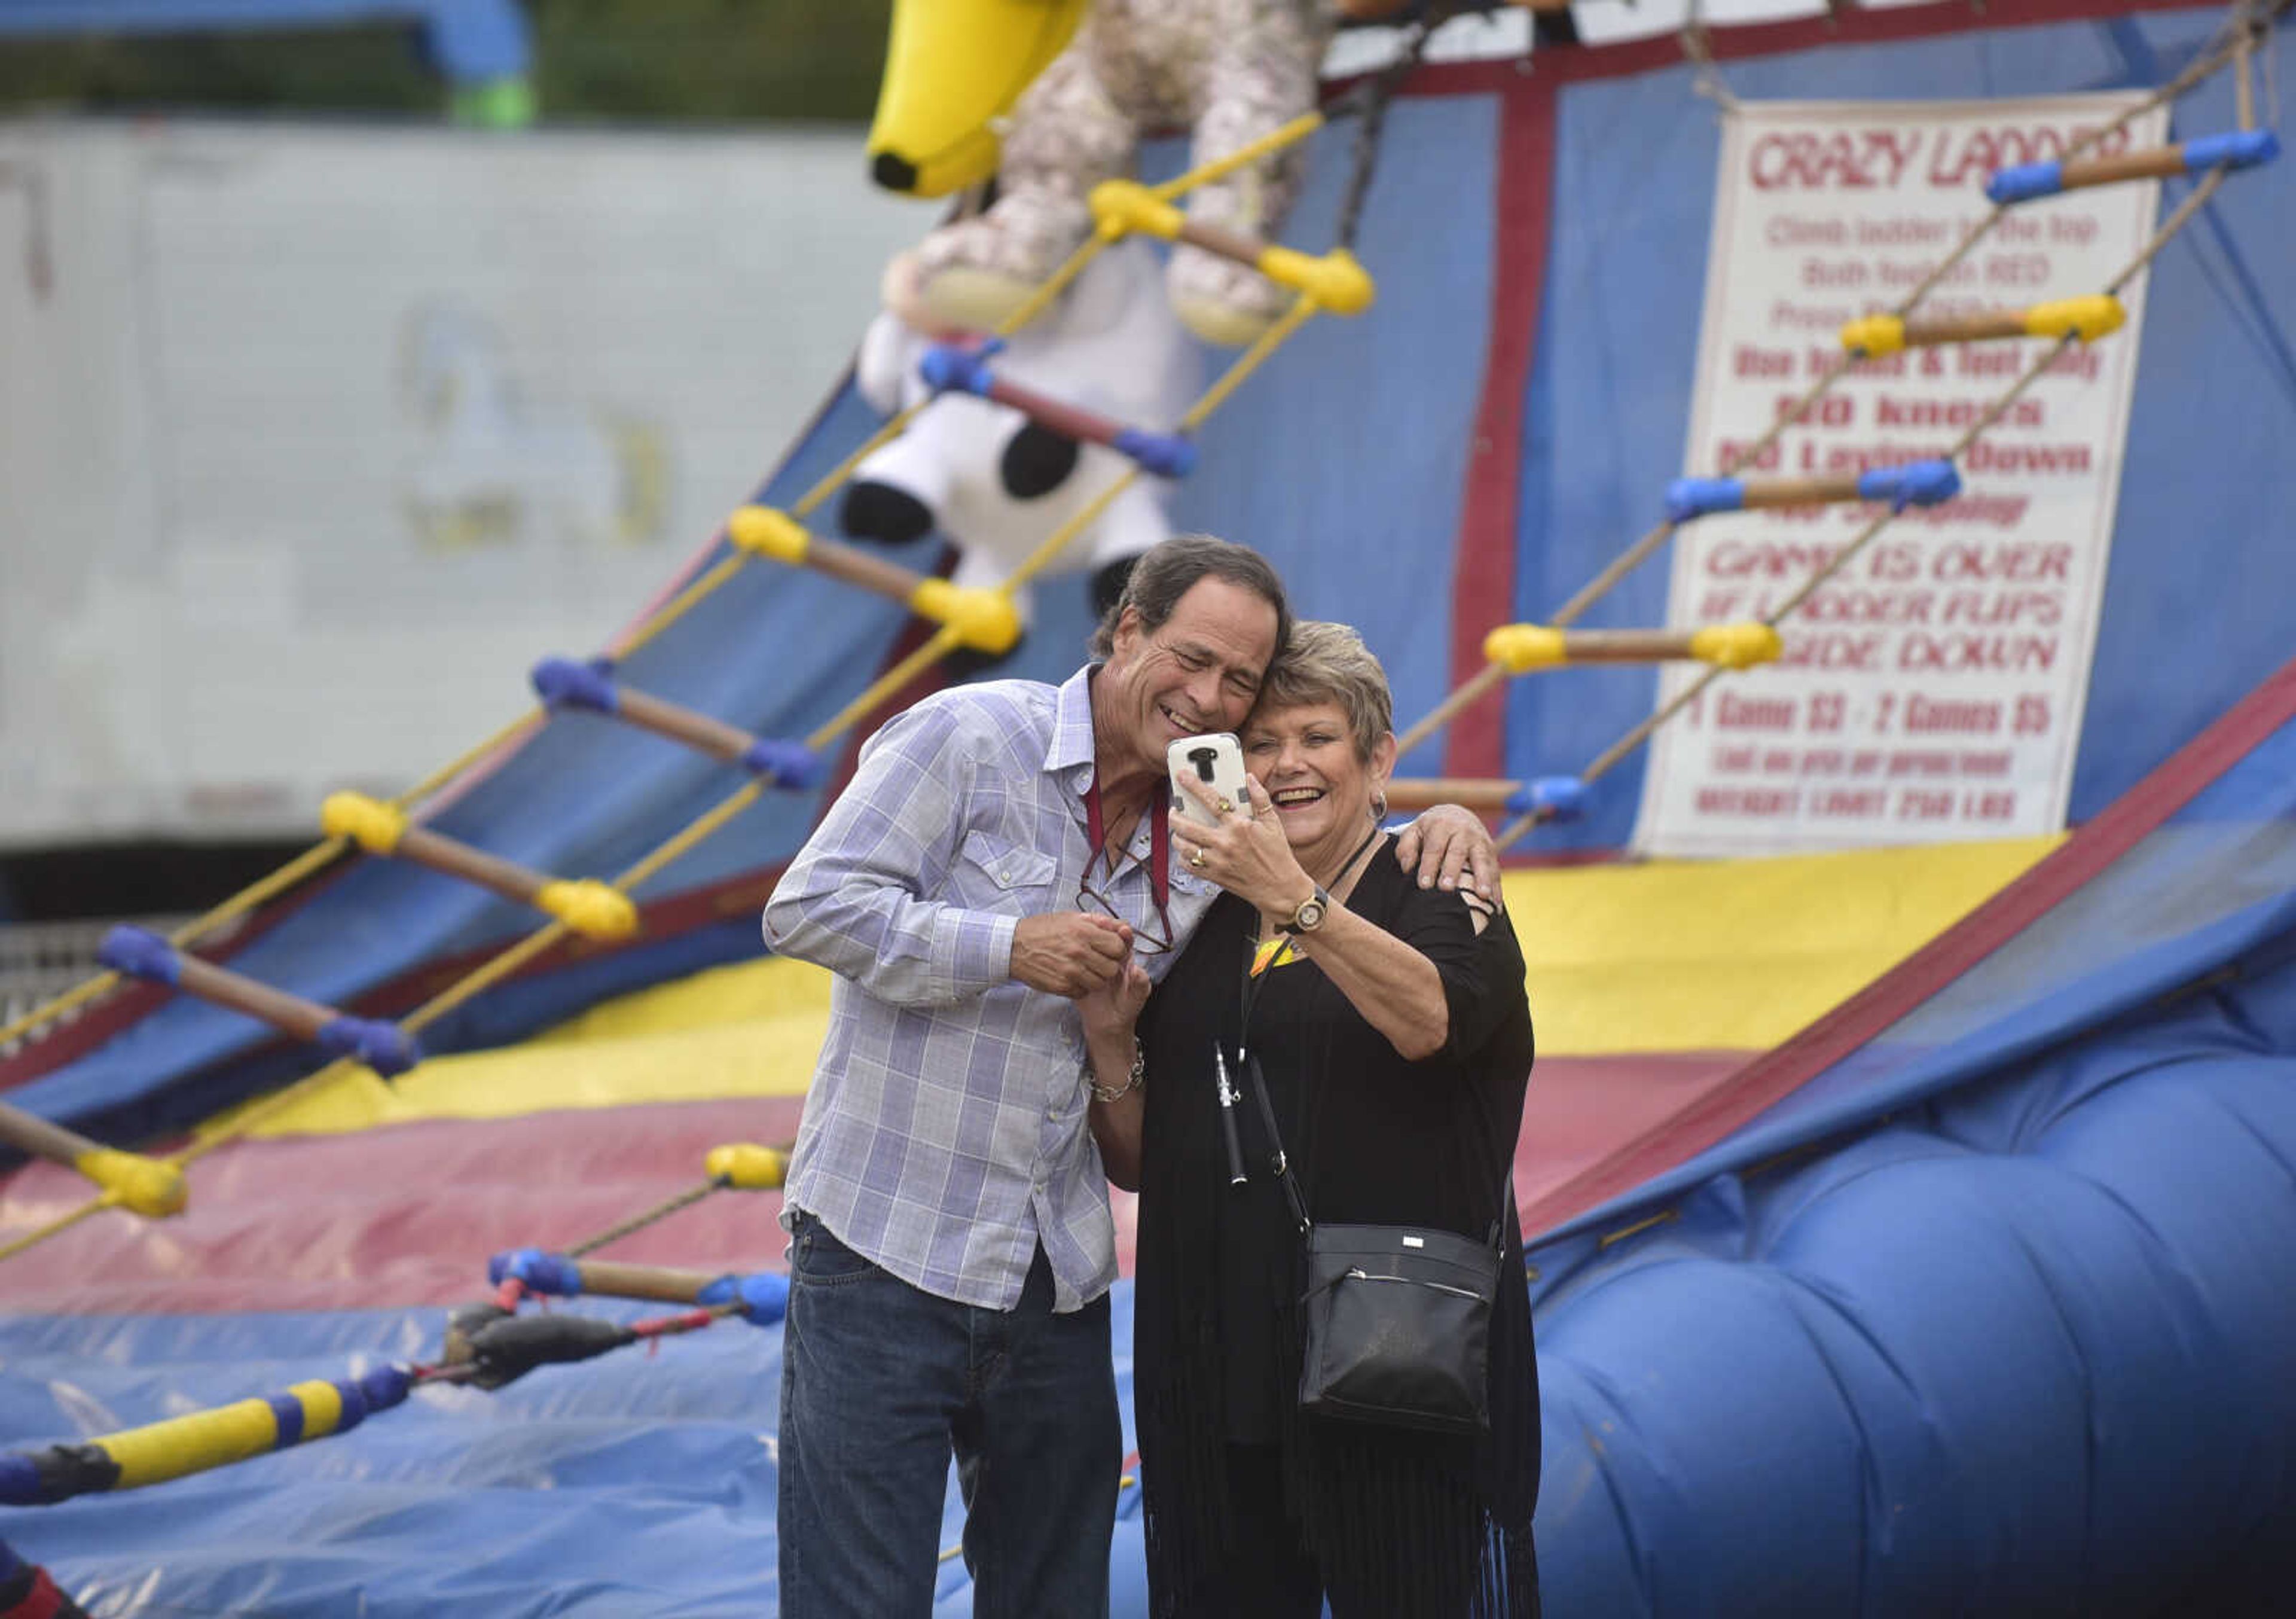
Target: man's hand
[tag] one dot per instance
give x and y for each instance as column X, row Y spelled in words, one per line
column 1070, row 953
column 1446, row 844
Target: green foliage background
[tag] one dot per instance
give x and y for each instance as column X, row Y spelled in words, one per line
column 652, row 61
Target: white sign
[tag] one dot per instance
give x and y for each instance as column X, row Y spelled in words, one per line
column 313, row 439
column 1932, row 689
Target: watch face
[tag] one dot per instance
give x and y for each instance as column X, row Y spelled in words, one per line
column 1310, row 914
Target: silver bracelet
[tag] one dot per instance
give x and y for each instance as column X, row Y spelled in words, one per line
column 1133, row 1081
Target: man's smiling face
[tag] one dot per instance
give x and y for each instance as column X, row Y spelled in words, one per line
column 1198, row 671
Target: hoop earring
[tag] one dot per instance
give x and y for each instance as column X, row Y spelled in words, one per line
column 1379, row 807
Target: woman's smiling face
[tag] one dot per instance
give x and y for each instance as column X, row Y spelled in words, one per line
column 1322, row 788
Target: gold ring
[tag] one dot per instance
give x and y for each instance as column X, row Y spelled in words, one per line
column 1225, row 806
column 1196, row 858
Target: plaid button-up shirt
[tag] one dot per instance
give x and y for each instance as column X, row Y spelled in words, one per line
column 945, row 1133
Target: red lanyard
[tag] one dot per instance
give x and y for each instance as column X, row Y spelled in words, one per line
column 1159, row 849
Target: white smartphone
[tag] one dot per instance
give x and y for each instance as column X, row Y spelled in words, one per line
column 1215, row 762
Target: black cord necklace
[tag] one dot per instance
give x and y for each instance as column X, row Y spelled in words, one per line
column 1347, row 865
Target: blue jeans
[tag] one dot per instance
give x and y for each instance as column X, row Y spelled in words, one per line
column 880, row 1382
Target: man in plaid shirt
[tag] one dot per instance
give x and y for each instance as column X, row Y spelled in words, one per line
column 1001, row 850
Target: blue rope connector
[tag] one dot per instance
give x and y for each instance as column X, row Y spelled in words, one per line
column 1552, row 798
column 2238, row 149
column 763, row 1295
column 1914, row 484
column 139, row 953
column 538, row 1270
column 947, row 368
column 783, row 763
column 2023, row 182
column 1690, row 498
column 1165, row 454
column 383, row 1046
column 565, row 683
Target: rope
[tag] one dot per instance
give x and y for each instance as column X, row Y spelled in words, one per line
column 684, row 602
column 2243, row 84
column 1698, row 49
column 1275, row 140
column 2185, row 209
column 40, row 1233
column 704, row 825
column 940, row 642
column 1054, row 284
column 469, row 756
column 1302, row 311
column 1371, row 108
column 638, row 1223
column 2271, row 73
column 1469, row 693
column 49, row 1011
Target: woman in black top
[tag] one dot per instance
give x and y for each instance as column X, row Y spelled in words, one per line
column 1393, row 1035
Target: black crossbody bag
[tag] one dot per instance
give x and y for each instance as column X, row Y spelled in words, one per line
column 1395, row 1320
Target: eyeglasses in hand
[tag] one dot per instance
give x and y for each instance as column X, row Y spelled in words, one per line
column 1145, row 940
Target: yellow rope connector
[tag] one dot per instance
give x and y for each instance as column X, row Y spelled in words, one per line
column 1519, row 648
column 1335, row 280
column 1875, row 334
column 372, row 825
column 746, row 1167
column 1119, row 207
column 590, row 908
column 150, row 1186
column 985, row 621
column 764, row 531
column 2087, row 319
column 1736, row 646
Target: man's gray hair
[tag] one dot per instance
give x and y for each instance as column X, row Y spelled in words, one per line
column 1329, row 663
column 1167, row 571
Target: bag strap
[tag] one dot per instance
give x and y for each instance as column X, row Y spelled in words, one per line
column 1280, row 1164
column 1278, row 1161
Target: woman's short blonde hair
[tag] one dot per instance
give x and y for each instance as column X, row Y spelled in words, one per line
column 1327, row 663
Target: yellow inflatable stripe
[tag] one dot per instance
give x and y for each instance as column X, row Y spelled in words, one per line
column 1653, row 957
column 1733, row 954
column 770, row 1056
column 751, row 991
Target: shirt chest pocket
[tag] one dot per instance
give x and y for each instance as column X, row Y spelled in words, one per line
column 993, row 875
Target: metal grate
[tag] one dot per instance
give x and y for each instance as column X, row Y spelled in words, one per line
column 40, row 960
